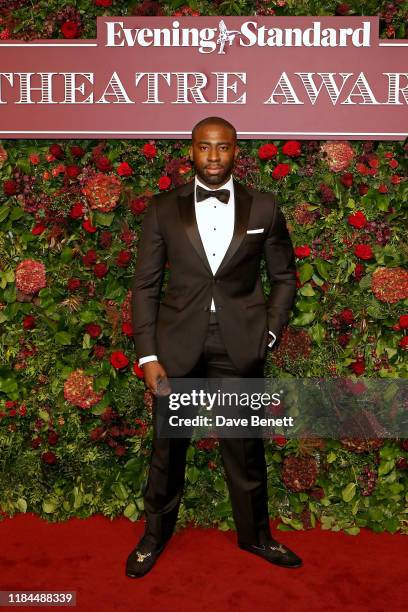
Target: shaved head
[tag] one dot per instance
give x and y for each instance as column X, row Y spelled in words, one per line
column 219, row 121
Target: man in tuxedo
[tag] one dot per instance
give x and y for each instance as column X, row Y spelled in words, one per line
column 212, row 322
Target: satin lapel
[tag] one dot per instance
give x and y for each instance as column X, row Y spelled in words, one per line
column 243, row 202
column 189, row 221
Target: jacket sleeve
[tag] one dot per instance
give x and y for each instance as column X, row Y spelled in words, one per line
column 281, row 269
column 147, row 282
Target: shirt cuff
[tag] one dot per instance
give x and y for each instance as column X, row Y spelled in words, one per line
column 273, row 339
column 143, row 360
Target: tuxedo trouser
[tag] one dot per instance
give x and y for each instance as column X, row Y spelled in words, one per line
column 243, row 460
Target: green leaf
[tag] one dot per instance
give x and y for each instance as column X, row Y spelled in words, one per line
column 348, row 492
column 103, row 218
column 304, row 319
column 352, row 530
column 66, row 255
column 305, row 272
column 22, row 504
column 317, row 333
column 49, row 506
column 130, row 510
column 16, row 213
column 4, row 212
column 63, row 338
column 307, row 290
column 331, row 457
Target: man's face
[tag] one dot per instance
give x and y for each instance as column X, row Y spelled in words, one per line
column 213, row 151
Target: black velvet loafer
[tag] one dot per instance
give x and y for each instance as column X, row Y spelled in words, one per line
column 143, row 557
column 274, row 552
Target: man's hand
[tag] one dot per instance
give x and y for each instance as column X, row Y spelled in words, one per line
column 153, row 372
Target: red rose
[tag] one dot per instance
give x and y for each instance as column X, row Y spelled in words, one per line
column 74, row 284
column 267, row 151
column 29, row 322
column 149, row 150
column 123, row 259
column 347, row 179
column 22, row 410
column 344, row 339
column 93, row 329
column 88, row 227
column 38, row 229
column 53, row 438
column 124, row 169
column 164, row 182
column 317, row 493
column 105, row 239
column 36, row 442
column 138, row 205
column 359, row 271
column 302, row 251
column 137, row 370
column 403, row 343
column 127, row 329
column 69, row 29
column 358, row 367
column 395, row 179
column 99, row 351
column 292, row 148
column 104, row 3
column 103, row 163
column 383, row 188
column 49, row 458
column 100, row 270
column 361, row 169
column 10, row 187
column 362, row 189
column 393, row 163
column 57, row 151
column 77, row 211
column 89, row 258
column 358, row 219
column 73, row 171
column 279, row 440
column 347, row 316
column 120, row 451
column 119, row 360
column 77, row 151
column 280, row 171
column 363, row 251
column 403, row 321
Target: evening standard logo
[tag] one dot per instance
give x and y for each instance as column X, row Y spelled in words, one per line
column 208, row 40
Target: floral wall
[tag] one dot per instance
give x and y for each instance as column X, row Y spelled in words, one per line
column 75, row 421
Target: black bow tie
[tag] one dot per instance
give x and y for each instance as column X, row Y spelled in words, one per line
column 221, row 194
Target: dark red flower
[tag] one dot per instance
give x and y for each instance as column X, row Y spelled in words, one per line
column 105, row 239
column 403, row 343
column 292, row 148
column 302, row 251
column 104, row 3
column 49, row 458
column 357, row 219
column 119, row 360
column 149, row 150
column 70, row 29
column 103, row 163
column 77, row 151
column 88, row 227
column 89, row 258
column 73, row 284
column 362, row 189
column 359, row 271
column 363, row 251
column 347, row 179
column 100, row 270
column 280, row 171
column 123, row 259
column 10, row 187
column 164, row 182
column 77, row 210
column 138, row 370
column 73, row 171
column 38, row 229
column 124, row 169
column 267, row 151
column 99, row 351
column 383, row 188
column 29, row 322
column 403, row 321
column 347, row 316
column 36, row 442
column 138, row 205
column 53, row 438
column 93, row 329
column 127, row 329
column 57, row 151
column 358, row 367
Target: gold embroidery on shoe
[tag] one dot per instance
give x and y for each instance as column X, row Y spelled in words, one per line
column 141, row 557
column 279, row 547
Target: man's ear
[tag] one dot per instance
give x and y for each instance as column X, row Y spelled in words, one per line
column 190, row 152
column 236, row 153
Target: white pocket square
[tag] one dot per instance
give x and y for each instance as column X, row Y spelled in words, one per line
column 255, row 231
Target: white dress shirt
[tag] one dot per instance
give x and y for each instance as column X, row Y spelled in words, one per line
column 215, row 221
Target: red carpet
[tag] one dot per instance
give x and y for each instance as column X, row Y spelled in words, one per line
column 202, row 570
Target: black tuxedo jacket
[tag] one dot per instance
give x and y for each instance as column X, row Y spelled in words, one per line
column 174, row 329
